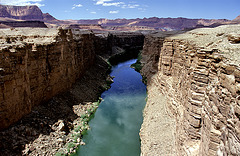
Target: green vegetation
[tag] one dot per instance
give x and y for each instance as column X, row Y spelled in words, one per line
column 109, row 67
column 144, row 79
column 70, row 145
column 138, row 66
column 80, row 130
column 60, row 154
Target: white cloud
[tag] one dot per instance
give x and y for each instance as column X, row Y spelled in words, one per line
column 22, row 2
column 142, row 9
column 100, row 2
column 93, row 12
column 103, row 3
column 114, row 12
column 131, row 6
column 76, row 6
column 112, row 4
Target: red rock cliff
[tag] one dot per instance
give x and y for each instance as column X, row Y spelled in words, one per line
column 37, row 64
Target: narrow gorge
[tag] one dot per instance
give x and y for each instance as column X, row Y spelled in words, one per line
column 51, row 79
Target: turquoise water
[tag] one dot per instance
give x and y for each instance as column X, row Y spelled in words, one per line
column 114, row 131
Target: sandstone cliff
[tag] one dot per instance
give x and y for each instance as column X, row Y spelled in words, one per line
column 198, row 74
column 37, row 64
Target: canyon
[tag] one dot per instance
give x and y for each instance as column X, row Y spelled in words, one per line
column 51, row 78
column 192, row 80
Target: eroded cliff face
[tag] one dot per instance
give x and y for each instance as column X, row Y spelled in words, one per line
column 37, row 64
column 119, row 46
column 198, row 74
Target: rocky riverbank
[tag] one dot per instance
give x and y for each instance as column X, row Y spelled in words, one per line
column 56, row 126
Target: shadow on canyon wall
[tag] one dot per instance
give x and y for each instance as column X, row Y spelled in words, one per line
column 47, row 117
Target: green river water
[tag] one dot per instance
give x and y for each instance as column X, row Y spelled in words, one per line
column 114, row 130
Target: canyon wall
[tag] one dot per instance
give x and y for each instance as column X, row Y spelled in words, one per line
column 198, row 73
column 107, row 42
column 120, row 46
column 36, row 64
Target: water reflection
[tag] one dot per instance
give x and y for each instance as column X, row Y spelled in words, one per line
column 115, row 127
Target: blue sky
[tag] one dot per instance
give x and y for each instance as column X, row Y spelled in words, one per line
column 112, row 9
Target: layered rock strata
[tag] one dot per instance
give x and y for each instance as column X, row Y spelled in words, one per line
column 53, row 126
column 198, row 73
column 37, row 64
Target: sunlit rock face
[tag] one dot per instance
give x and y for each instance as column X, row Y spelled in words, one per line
column 37, row 64
column 198, row 72
column 21, row 12
column 24, row 13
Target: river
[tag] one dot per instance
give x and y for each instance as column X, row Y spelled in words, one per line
column 114, row 130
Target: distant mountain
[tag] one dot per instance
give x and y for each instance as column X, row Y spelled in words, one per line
column 156, row 23
column 237, row 19
column 24, row 13
column 48, row 17
column 34, row 13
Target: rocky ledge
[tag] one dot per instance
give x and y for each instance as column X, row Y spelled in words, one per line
column 193, row 104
